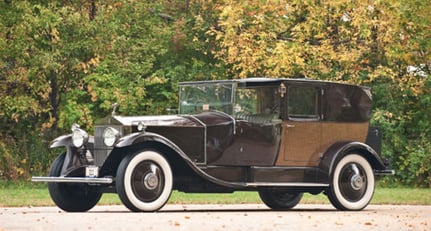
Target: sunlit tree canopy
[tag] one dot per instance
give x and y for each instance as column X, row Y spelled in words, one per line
column 65, row 62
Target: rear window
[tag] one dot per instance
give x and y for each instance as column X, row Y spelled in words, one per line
column 348, row 104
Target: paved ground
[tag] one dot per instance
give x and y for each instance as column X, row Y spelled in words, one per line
column 247, row 217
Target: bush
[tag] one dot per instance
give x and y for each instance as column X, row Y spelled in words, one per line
column 22, row 158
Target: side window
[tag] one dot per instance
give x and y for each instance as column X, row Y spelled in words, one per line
column 257, row 104
column 303, row 102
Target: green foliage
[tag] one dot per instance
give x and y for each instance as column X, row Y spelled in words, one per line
column 63, row 62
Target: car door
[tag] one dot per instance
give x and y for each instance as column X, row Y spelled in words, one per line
column 257, row 136
column 301, row 127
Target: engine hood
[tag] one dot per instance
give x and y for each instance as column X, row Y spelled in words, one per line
column 163, row 120
column 206, row 118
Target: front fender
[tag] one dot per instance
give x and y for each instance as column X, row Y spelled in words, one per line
column 72, row 160
column 61, row 141
column 338, row 150
column 66, row 141
column 140, row 137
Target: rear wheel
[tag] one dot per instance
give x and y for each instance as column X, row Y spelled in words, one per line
column 280, row 200
column 71, row 197
column 144, row 181
column 352, row 185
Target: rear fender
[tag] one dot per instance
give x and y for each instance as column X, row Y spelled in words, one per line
column 339, row 150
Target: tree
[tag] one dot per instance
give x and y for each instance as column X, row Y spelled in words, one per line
column 65, row 61
column 383, row 44
column 403, row 104
column 41, row 49
column 69, row 61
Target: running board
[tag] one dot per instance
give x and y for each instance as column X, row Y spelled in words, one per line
column 293, row 184
column 88, row 180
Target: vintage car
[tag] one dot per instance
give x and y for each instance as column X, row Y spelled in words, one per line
column 279, row 137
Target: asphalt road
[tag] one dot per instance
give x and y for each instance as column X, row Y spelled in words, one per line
column 247, row 217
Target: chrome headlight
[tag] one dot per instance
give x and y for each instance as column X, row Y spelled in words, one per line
column 110, row 136
column 141, row 126
column 79, row 137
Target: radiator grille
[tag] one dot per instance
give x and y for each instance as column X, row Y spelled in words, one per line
column 101, row 151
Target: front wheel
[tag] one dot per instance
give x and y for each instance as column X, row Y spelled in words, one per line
column 144, row 181
column 280, row 199
column 71, row 197
column 352, row 185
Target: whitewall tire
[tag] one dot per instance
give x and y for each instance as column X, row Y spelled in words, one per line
column 144, row 181
column 352, row 183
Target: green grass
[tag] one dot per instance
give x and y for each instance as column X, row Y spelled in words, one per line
column 411, row 196
column 31, row 194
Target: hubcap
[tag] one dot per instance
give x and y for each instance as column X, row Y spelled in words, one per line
column 357, row 182
column 151, row 181
column 352, row 182
column 147, row 181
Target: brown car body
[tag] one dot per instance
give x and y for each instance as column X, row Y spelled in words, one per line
column 280, row 137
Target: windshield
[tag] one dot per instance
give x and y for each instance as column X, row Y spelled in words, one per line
column 238, row 101
column 199, row 97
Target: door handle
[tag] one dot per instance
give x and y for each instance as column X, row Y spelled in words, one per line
column 290, row 125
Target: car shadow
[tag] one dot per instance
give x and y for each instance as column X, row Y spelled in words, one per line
column 229, row 210
column 246, row 210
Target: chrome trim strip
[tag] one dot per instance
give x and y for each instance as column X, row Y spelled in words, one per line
column 287, row 184
column 62, row 179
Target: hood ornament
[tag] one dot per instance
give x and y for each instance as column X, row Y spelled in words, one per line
column 114, row 108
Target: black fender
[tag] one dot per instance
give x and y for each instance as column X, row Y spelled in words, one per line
column 72, row 159
column 338, row 150
column 142, row 137
column 66, row 141
column 61, row 141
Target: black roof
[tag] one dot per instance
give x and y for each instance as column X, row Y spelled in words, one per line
column 256, row 81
